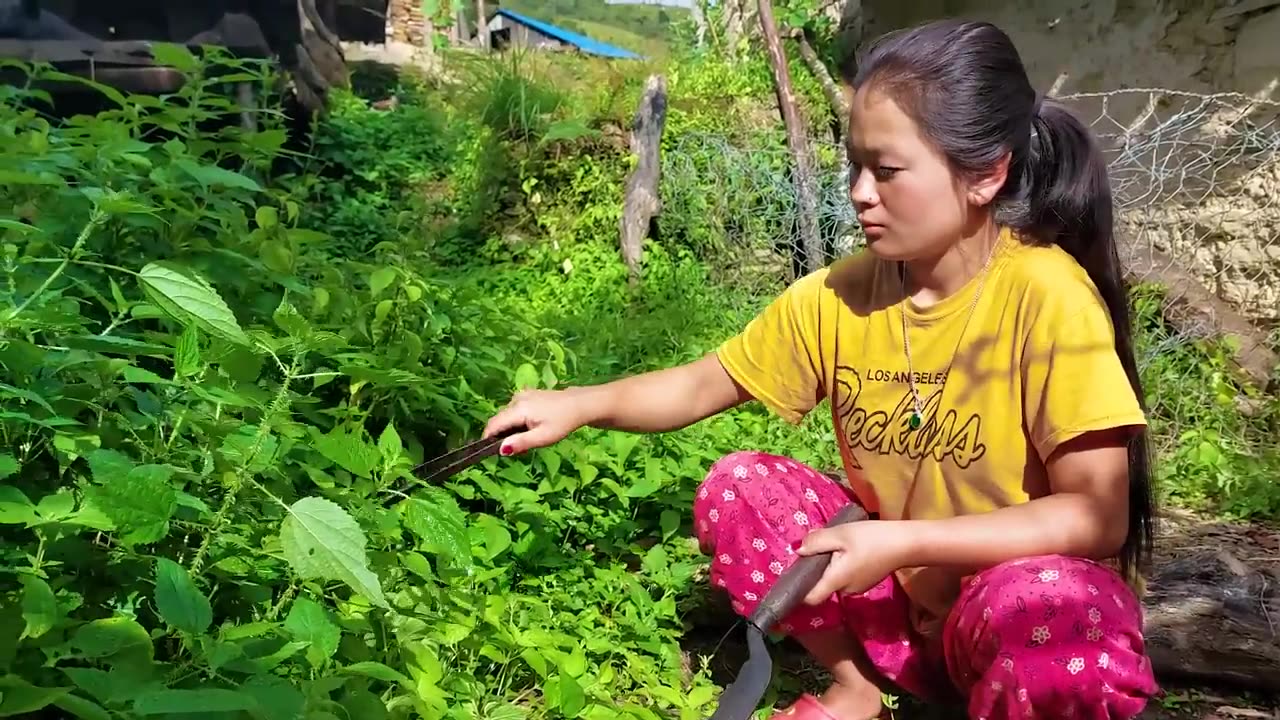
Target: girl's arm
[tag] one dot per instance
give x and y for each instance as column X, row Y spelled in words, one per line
column 657, row 401
column 1086, row 514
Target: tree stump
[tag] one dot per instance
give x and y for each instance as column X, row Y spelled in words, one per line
column 641, row 203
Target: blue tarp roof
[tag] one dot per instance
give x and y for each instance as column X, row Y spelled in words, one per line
column 582, row 42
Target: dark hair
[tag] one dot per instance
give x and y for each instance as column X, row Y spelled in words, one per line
column 964, row 84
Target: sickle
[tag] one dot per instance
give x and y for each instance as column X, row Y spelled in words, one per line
column 740, row 699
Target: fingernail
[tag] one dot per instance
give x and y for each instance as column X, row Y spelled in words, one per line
column 505, row 449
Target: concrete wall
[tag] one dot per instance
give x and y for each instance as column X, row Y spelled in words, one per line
column 1197, row 178
column 1198, row 45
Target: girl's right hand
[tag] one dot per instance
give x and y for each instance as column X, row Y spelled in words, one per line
column 547, row 416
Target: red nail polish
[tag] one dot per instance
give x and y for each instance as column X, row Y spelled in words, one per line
column 505, row 450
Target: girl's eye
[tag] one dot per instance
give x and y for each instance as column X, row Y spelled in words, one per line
column 885, row 173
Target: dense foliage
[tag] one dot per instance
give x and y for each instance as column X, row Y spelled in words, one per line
column 219, row 363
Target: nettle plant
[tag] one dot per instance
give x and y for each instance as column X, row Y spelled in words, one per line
column 203, row 415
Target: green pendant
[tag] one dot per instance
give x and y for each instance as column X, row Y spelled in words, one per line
column 914, row 421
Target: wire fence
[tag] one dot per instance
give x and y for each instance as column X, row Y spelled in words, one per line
column 1195, row 179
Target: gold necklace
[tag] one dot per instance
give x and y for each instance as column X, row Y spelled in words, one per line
column 917, row 417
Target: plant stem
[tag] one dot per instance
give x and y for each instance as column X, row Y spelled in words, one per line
column 96, row 219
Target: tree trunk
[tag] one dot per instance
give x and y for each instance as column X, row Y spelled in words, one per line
column 482, row 25
column 641, row 202
column 699, row 22
column 835, row 94
column 735, row 25
column 797, row 141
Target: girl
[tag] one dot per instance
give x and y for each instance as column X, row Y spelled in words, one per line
column 978, row 360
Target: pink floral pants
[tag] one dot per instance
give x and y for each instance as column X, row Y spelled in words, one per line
column 1045, row 637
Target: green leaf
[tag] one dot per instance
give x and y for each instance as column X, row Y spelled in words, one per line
column 380, row 279
column 310, row 623
column 389, row 445
column 266, row 216
column 347, row 448
column 526, row 377
column 188, row 702
column 433, row 516
column 208, row 175
column 106, row 465
column 245, row 449
column 288, row 319
column 120, row 640
column 16, row 508
column 8, row 465
column 81, row 708
column 378, row 671
column 39, row 607
column 186, row 297
column 186, row 357
column 178, row 600
column 139, row 503
column 572, row 699
column 176, row 56
column 320, row 540
column 19, row 697
column 142, row 376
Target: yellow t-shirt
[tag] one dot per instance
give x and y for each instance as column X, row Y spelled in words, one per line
column 1035, row 367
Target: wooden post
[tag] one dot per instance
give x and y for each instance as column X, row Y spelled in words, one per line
column 482, row 25
column 797, row 141
column 641, row 202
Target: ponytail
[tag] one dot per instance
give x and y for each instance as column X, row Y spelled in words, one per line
column 964, row 85
column 1064, row 198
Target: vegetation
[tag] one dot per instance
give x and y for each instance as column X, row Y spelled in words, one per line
column 220, row 360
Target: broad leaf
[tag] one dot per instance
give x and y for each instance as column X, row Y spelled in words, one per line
column 139, row 503
column 187, row 702
column 186, row 357
column 8, row 465
column 179, row 601
column 320, row 540
column 434, row 517
column 187, row 297
column 39, row 607
column 310, row 623
column 348, row 449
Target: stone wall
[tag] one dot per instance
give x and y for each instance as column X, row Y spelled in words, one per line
column 405, row 22
column 1197, row 178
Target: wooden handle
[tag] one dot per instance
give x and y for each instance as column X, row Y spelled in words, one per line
column 799, row 579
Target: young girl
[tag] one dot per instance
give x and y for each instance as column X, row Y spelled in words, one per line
column 978, row 360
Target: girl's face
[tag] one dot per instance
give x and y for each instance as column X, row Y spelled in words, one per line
column 909, row 203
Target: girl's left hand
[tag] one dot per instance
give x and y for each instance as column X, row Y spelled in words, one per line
column 863, row 554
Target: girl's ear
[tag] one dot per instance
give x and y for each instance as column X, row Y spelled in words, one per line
column 984, row 188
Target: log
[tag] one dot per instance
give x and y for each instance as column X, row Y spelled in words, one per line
column 1193, row 310
column 1212, row 606
column 797, row 142
column 641, row 202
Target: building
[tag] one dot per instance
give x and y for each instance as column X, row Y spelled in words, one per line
column 511, row 29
